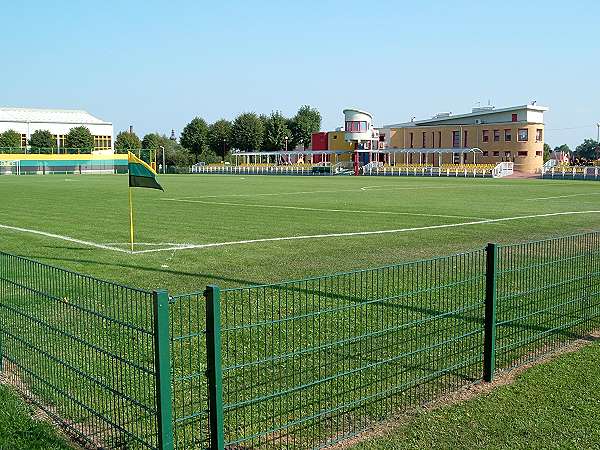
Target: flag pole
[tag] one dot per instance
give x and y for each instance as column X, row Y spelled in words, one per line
column 130, row 219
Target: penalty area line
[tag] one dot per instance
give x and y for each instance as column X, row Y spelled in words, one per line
column 364, row 233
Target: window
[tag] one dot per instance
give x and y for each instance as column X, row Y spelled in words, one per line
column 507, row 154
column 496, row 153
column 522, row 153
column 353, row 126
column 23, row 140
column 539, row 135
column 424, row 140
column 382, row 138
column 507, row 135
column 102, row 142
column 432, row 139
column 439, row 139
column 60, row 139
column 484, row 153
column 485, row 136
column 465, row 138
column 523, row 135
column 496, row 135
column 411, row 140
column 514, row 118
column 539, row 153
column 456, row 139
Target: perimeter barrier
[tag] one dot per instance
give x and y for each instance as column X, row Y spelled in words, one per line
column 299, row 364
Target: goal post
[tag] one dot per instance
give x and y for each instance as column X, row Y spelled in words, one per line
column 10, row 167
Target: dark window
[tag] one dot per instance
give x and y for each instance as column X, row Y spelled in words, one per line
column 496, row 153
column 382, row 138
column 522, row 153
column 507, row 135
column 424, row 140
column 465, row 138
column 539, row 153
column 485, row 153
column 507, row 154
column 439, row 139
column 539, row 135
column 485, row 136
column 523, row 135
column 496, row 135
column 411, row 140
column 456, row 139
column 514, row 118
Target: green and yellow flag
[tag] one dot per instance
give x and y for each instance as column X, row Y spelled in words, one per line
column 141, row 174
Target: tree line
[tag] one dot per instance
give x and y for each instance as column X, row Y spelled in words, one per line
column 42, row 140
column 587, row 151
column 247, row 132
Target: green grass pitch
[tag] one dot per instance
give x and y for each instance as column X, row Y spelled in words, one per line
column 216, row 209
column 234, row 231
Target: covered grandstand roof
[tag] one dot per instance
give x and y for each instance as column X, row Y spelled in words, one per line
column 38, row 115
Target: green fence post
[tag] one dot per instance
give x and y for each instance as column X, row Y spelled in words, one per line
column 162, row 363
column 214, row 366
column 489, row 336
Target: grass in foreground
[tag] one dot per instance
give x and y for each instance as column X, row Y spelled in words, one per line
column 19, row 431
column 552, row 405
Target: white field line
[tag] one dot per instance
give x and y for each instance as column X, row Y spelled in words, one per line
column 363, row 233
column 330, row 191
column 563, row 196
column 64, row 238
column 358, row 189
column 306, row 208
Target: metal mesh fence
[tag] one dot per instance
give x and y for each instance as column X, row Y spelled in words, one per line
column 82, row 350
column 188, row 360
column 299, row 364
column 310, row 362
column 548, row 294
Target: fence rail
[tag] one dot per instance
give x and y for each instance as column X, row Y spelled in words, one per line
column 304, row 363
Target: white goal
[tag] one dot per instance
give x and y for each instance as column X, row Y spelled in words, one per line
column 10, row 167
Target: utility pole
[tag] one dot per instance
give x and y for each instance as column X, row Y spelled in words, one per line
column 164, row 168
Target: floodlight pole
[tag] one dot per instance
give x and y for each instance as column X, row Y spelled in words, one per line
column 163, row 158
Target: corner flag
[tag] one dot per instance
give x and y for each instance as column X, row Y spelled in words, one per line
column 141, row 174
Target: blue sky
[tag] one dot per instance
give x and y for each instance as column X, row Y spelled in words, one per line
column 156, row 64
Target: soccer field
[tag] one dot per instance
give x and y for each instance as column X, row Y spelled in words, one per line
column 309, row 362
column 241, row 230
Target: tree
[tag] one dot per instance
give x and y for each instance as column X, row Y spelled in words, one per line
column 79, row 137
column 42, row 140
column 219, row 137
column 152, row 141
column 276, row 132
column 547, row 151
column 247, row 132
column 306, row 122
column 194, row 136
column 10, row 139
column 126, row 141
column 563, row 148
column 588, row 150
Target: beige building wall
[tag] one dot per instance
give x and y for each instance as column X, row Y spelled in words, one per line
column 526, row 154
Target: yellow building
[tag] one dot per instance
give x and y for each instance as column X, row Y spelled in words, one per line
column 491, row 136
column 486, row 135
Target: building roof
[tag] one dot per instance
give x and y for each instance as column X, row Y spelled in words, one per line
column 38, row 115
column 476, row 112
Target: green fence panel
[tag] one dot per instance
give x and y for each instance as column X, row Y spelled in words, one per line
column 82, row 350
column 189, row 369
column 548, row 295
column 308, row 363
